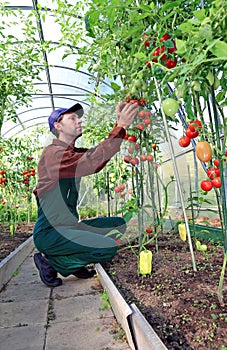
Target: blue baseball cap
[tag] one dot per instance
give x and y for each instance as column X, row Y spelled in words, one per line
column 58, row 112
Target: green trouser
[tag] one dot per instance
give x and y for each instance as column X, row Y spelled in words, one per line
column 68, row 248
column 68, row 242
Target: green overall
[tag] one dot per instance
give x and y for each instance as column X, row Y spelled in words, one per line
column 69, row 243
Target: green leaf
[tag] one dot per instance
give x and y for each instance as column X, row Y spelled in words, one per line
column 140, row 56
column 181, row 46
column 127, row 216
column 115, row 86
column 185, row 27
column 200, row 14
column 219, row 49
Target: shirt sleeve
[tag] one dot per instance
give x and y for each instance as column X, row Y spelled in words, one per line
column 71, row 162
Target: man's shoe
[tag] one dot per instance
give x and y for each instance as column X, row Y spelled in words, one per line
column 84, row 273
column 46, row 272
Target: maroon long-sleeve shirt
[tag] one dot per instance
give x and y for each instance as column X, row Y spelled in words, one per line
column 60, row 160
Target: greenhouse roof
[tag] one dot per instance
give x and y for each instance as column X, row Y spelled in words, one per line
column 60, row 84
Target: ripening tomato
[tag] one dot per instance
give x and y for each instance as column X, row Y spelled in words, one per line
column 127, row 159
column 140, row 127
column 216, row 163
column 132, row 138
column 213, row 172
column 165, row 37
column 203, row 151
column 191, row 134
column 184, row 141
column 206, row 185
column 216, row 182
column 195, row 125
column 154, row 146
column 147, row 121
column 149, row 230
column 134, row 161
column 143, row 157
column 150, row 158
column 148, row 64
column 141, row 114
column 142, row 102
column 171, row 63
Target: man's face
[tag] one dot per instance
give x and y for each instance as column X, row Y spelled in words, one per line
column 70, row 124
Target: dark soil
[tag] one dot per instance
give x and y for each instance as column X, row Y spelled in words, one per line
column 8, row 242
column 180, row 304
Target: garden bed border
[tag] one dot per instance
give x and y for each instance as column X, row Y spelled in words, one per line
column 140, row 335
column 13, row 261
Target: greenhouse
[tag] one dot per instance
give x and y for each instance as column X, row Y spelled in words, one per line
column 113, row 168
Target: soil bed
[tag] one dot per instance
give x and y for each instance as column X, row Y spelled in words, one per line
column 180, row 304
column 8, row 242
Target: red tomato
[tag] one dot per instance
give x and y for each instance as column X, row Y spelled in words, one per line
column 206, row 185
column 150, row 158
column 171, row 63
column 148, row 64
column 142, row 102
column 149, row 230
column 140, row 127
column 137, row 146
column 216, row 163
column 142, row 114
column 132, row 138
column 147, row 121
column 126, row 137
column 213, row 172
column 191, row 134
column 216, row 182
column 157, row 52
column 184, row 141
column 134, row 161
column 143, row 157
column 154, row 146
column 130, row 150
column 195, row 125
column 165, row 37
column 127, row 159
column 147, row 113
column 134, row 101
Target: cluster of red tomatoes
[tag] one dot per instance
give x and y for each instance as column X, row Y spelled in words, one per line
column 120, row 189
column 191, row 132
column 163, row 52
column 133, row 157
column 214, row 178
column 27, row 174
column 3, row 178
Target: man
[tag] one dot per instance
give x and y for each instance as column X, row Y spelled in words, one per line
column 67, row 243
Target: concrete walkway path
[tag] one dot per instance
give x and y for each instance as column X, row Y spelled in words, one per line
column 35, row 317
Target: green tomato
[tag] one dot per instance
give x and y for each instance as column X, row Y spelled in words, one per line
column 95, row 67
column 203, row 248
column 170, row 106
